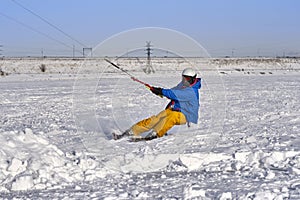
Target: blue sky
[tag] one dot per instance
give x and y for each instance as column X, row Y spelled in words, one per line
column 222, row 27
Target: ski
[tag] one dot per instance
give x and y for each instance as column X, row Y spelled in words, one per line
column 133, row 138
column 138, row 138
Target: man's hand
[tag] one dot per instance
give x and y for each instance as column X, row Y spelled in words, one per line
column 156, row 90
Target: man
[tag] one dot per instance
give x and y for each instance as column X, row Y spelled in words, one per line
column 183, row 108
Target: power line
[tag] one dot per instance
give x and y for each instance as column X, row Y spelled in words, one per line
column 37, row 31
column 46, row 21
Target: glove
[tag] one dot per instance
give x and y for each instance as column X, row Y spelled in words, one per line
column 156, row 90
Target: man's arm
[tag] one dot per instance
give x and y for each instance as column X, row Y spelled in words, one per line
column 179, row 95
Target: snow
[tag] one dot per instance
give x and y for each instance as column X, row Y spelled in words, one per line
column 55, row 131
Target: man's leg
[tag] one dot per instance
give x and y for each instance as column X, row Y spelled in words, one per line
column 149, row 123
column 172, row 118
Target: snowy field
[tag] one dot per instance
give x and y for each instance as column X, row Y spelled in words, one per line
column 56, row 144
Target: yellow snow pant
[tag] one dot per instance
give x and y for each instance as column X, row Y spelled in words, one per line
column 160, row 123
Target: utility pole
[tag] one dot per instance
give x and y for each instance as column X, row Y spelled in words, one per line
column 149, row 67
column 73, row 51
column 87, row 52
column 232, row 53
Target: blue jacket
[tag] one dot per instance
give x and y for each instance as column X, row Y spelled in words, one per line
column 185, row 99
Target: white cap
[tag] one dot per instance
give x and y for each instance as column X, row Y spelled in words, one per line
column 189, row 72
